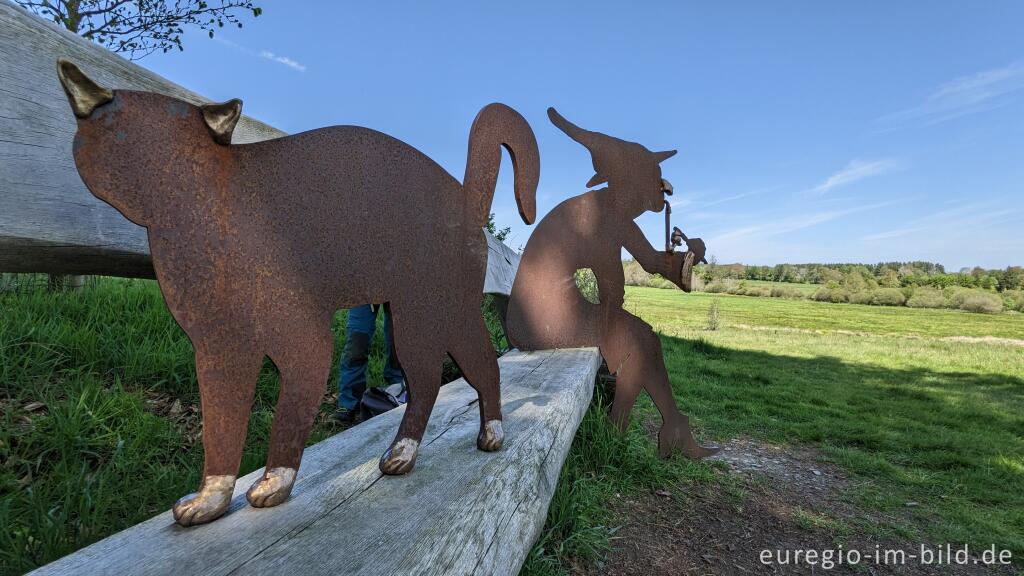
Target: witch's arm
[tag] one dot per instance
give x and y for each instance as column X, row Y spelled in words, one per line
column 667, row 264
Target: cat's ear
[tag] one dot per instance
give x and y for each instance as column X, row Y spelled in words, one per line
column 221, row 119
column 83, row 94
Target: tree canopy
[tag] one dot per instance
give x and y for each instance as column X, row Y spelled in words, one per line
column 137, row 28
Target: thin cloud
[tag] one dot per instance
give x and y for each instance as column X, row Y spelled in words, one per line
column 693, row 198
column 968, row 94
column 957, row 221
column 792, row 224
column 739, row 196
column 856, row 170
column 267, row 54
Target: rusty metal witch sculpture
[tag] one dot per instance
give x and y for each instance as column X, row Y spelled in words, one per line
column 546, row 310
column 255, row 246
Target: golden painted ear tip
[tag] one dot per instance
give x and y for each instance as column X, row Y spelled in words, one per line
column 221, row 119
column 83, row 93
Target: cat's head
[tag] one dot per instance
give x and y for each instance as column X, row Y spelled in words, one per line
column 138, row 151
column 631, row 170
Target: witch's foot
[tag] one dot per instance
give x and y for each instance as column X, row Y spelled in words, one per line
column 676, row 436
column 400, row 458
column 272, row 488
column 491, row 436
column 206, row 505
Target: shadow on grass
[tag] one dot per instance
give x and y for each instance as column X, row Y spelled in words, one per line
column 951, row 441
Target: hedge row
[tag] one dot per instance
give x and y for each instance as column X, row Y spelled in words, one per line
column 954, row 297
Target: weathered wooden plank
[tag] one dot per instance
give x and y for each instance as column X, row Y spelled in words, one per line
column 502, row 265
column 461, row 511
column 49, row 222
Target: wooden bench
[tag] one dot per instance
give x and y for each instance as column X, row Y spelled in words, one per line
column 461, row 511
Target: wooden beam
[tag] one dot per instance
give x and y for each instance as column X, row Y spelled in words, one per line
column 49, row 222
column 461, row 511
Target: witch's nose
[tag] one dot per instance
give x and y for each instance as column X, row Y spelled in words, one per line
column 666, row 187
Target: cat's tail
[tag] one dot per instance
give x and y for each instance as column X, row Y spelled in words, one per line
column 495, row 126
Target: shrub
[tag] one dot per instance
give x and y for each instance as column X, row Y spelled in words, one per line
column 926, row 298
column 726, row 286
column 634, row 274
column 985, row 303
column 888, row 297
column 714, row 316
column 761, row 291
column 715, row 287
column 1014, row 300
column 863, row 297
column 586, row 282
column 836, row 295
column 955, row 295
column 786, row 292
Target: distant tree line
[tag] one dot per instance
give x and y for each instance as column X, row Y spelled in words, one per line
column 883, row 274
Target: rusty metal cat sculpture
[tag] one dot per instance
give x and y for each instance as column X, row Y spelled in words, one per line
column 546, row 310
column 255, row 246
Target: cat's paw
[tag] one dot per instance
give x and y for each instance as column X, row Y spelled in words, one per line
column 400, row 458
column 206, row 505
column 491, row 436
column 272, row 488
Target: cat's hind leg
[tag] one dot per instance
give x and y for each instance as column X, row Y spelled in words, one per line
column 227, row 376
column 473, row 353
column 421, row 356
column 303, row 363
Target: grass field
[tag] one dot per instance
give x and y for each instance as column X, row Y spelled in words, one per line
column 804, row 289
column 99, row 421
column 99, row 415
column 910, row 416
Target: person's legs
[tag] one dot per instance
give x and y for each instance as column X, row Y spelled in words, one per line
column 352, row 373
column 392, row 369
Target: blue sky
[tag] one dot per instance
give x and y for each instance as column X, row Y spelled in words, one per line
column 807, row 131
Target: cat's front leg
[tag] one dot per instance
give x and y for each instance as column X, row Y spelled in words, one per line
column 227, row 369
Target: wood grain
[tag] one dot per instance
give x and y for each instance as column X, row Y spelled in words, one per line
column 461, row 511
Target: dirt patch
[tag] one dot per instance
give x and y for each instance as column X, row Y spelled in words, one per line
column 782, row 500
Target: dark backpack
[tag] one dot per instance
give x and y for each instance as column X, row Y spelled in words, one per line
column 380, row 400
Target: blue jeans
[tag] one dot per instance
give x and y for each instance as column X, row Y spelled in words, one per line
column 362, row 324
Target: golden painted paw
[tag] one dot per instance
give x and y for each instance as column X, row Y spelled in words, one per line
column 210, row 503
column 491, row 436
column 400, row 458
column 273, row 488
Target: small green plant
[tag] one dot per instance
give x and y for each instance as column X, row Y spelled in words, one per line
column 586, row 282
column 714, row 316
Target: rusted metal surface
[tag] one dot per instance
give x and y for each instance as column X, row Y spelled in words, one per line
column 255, row 246
column 546, row 310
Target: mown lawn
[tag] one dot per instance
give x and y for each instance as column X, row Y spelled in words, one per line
column 911, row 417
column 672, row 310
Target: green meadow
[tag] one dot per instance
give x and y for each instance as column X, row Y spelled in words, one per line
column 99, row 411
column 884, row 393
